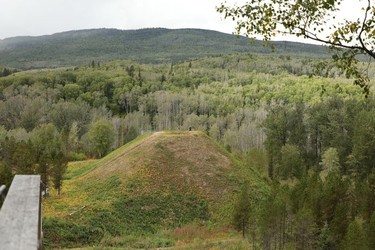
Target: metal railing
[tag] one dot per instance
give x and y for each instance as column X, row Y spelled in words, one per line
column 20, row 215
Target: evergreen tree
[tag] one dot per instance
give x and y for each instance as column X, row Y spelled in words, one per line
column 313, row 196
column 242, row 210
column 363, row 154
column 272, row 218
column 371, row 194
column 48, row 150
column 6, row 175
column 355, row 237
column 334, row 192
column 371, row 232
column 6, row 72
column 291, row 163
column 305, row 230
column 57, row 172
column 325, row 238
column 276, row 131
column 130, row 70
column 340, row 221
column 297, row 134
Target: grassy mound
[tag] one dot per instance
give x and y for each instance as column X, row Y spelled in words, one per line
column 140, row 194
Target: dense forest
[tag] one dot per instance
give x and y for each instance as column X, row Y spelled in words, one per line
column 308, row 132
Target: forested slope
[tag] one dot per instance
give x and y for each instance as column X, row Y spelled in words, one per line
column 146, row 45
column 308, row 132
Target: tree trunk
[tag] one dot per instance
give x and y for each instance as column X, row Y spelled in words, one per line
column 243, row 228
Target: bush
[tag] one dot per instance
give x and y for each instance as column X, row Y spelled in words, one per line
column 64, row 233
column 73, row 156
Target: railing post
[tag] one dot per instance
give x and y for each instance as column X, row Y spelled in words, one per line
column 2, row 193
column 40, row 232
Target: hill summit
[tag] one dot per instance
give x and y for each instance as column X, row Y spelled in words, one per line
column 161, row 181
column 189, row 162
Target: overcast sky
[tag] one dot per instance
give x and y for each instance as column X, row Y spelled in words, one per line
column 44, row 17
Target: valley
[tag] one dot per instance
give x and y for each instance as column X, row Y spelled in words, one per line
column 192, row 140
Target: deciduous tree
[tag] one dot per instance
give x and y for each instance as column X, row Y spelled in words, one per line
column 101, row 137
column 330, row 162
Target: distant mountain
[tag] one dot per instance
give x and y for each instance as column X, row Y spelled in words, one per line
column 152, row 45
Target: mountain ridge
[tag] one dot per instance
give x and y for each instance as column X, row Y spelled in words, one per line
column 149, row 45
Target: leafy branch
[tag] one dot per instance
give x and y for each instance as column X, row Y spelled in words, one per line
column 311, row 20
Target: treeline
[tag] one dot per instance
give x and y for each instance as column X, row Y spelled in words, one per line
column 7, row 71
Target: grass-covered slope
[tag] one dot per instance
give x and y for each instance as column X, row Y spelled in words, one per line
column 159, row 182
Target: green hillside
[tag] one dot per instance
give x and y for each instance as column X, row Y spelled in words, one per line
column 145, row 193
column 146, row 45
